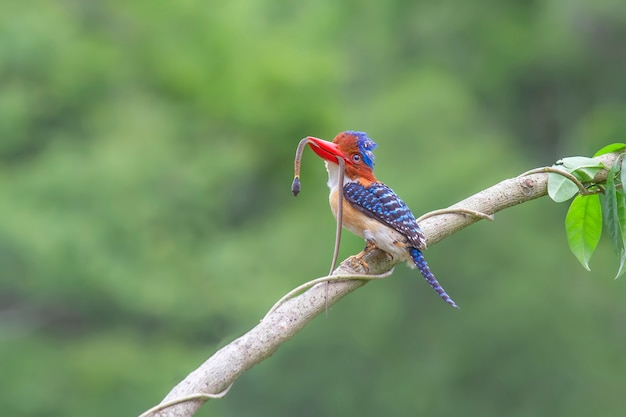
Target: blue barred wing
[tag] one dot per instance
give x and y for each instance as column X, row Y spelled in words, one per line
column 381, row 202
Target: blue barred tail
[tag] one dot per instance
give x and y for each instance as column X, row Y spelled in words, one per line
column 420, row 262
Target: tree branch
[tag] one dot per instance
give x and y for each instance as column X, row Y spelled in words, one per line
column 218, row 373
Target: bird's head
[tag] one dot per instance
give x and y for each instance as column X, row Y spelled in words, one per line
column 355, row 148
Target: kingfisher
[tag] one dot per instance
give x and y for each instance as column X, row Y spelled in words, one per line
column 370, row 208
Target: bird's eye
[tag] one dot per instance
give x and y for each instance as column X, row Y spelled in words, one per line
column 356, row 158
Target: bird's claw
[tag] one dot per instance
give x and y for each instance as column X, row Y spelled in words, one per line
column 370, row 245
column 359, row 258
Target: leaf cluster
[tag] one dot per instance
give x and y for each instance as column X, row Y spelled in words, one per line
column 594, row 204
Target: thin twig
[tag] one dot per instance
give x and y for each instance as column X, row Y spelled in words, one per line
column 192, row 397
column 327, row 279
column 581, row 187
column 460, row 210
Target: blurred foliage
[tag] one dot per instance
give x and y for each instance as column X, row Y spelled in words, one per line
column 145, row 215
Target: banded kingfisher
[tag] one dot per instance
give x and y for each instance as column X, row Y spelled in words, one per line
column 370, row 208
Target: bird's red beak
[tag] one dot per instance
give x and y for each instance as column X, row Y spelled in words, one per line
column 326, row 150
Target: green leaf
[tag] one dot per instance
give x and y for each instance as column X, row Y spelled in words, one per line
column 610, row 212
column 613, row 147
column 622, row 262
column 582, row 167
column 575, row 162
column 621, row 217
column 583, row 227
column 615, row 216
column 560, row 189
column 621, row 212
column 623, row 173
column 585, row 174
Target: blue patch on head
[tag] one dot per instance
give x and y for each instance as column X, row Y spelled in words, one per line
column 366, row 146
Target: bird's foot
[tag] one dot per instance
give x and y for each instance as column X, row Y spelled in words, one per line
column 359, row 258
column 370, row 245
column 358, row 263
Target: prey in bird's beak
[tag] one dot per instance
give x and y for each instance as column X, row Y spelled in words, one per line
column 330, row 152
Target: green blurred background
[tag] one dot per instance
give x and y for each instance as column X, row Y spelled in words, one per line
column 146, row 155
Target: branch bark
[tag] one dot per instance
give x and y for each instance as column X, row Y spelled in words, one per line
column 219, row 372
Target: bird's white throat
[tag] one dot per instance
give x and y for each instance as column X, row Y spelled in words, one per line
column 333, row 175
